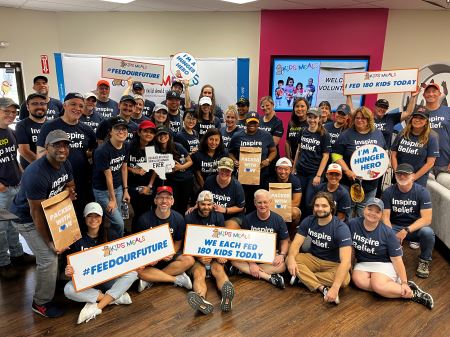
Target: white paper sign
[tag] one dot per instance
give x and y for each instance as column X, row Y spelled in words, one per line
column 161, row 163
column 183, row 66
column 231, row 244
column 108, row 261
column 377, row 82
column 369, row 162
column 138, row 71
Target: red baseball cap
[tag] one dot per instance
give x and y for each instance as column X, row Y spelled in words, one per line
column 167, row 189
column 146, row 124
column 103, row 82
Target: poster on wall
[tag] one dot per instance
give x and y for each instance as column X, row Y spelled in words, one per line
column 228, row 76
column 315, row 79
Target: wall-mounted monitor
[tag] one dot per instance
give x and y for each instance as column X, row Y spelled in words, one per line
column 315, row 78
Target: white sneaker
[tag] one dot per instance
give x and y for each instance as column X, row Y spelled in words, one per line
column 124, row 299
column 183, row 280
column 325, row 292
column 89, row 312
column 143, row 285
column 414, row 245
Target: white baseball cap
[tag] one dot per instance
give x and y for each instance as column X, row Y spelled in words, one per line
column 205, row 196
column 93, row 207
column 283, row 162
column 205, row 100
column 334, row 168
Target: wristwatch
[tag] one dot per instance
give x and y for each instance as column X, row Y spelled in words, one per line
column 407, row 230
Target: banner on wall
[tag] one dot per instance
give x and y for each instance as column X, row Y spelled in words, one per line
column 381, row 82
column 228, row 76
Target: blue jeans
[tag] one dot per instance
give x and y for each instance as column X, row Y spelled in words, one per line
column 46, row 263
column 9, row 236
column 424, row 236
column 359, row 206
column 115, row 288
column 114, row 217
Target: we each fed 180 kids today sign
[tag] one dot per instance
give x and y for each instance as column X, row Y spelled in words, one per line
column 379, row 82
column 369, row 162
column 138, row 71
column 231, row 244
column 112, row 259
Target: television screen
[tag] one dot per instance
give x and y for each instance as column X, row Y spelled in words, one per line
column 315, row 78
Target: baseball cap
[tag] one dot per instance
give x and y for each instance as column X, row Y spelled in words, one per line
column 283, row 162
column 34, row 95
column 205, row 100
column 162, row 189
column 72, row 95
column 90, row 94
column 176, row 82
column 40, row 77
column 205, row 196
column 243, row 102
column 138, row 86
column 162, row 129
column 160, row 107
column 92, row 207
column 127, row 98
column 336, row 168
column 251, row 117
column 103, row 82
column 382, row 103
column 136, row 97
column 344, row 108
column 146, row 124
column 437, row 86
column 376, row 202
column 314, row 111
column 421, row 111
column 404, row 168
column 6, row 102
column 117, row 121
column 172, row 94
column 57, row 136
column 226, row 163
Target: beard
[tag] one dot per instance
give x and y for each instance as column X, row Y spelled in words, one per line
column 322, row 215
column 38, row 116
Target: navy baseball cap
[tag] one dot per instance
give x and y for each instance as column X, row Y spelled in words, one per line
column 382, row 103
column 72, row 95
column 376, row 202
column 344, row 108
column 421, row 111
column 138, row 86
column 405, row 168
column 173, row 94
column 127, row 98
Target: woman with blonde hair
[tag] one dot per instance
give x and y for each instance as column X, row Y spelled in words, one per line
column 230, row 128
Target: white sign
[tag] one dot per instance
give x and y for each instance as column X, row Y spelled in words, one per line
column 378, row 82
column 369, row 162
column 137, row 71
column 231, row 244
column 108, row 261
column 183, row 66
column 161, row 163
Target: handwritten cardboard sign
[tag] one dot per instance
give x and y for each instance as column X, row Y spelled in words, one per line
column 138, row 71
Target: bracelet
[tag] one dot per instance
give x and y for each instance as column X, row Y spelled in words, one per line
column 226, row 210
column 125, row 188
column 284, row 254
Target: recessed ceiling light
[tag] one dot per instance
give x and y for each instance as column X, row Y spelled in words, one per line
column 119, row 1
column 239, row 2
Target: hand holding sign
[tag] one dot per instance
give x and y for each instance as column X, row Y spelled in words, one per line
column 160, row 163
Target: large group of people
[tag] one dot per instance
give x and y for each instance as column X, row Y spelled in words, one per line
column 92, row 147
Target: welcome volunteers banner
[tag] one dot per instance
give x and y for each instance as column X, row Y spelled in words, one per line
column 228, row 76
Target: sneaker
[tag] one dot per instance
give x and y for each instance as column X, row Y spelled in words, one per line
column 233, row 271
column 420, row 296
column 227, row 296
column 414, row 245
column 89, row 312
column 8, row 272
column 23, row 260
column 48, row 310
column 294, row 281
column 143, row 285
column 423, row 269
column 325, row 292
column 199, row 303
column 123, row 299
column 183, row 280
column 277, row 280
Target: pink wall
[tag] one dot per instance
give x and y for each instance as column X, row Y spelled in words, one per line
column 342, row 32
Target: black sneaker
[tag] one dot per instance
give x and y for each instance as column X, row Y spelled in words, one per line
column 48, row 309
column 295, row 281
column 423, row 269
column 233, row 271
column 8, row 272
column 227, row 296
column 23, row 260
column 277, row 280
column 199, row 303
column 424, row 298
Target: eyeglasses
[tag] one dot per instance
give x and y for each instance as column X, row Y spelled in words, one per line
column 60, row 145
column 38, row 103
column 118, row 130
column 10, row 112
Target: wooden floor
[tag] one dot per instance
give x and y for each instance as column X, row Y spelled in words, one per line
column 259, row 309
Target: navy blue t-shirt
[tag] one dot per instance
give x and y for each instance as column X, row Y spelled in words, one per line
column 203, row 126
column 189, row 141
column 214, row 219
column 261, row 139
column 140, row 119
column 108, row 157
column 175, row 220
column 231, row 195
column 51, row 182
column 333, row 131
column 205, row 164
column 105, row 126
column 378, row 245
column 349, row 141
column 341, row 197
column 226, row 136
column 405, row 207
column 440, row 122
column 135, row 157
column 84, row 243
column 93, row 120
column 326, row 240
column 274, row 224
column 313, row 145
column 274, row 126
column 386, row 125
column 27, row 132
column 293, row 136
column 176, row 121
column 54, row 109
column 184, row 174
column 148, row 108
column 107, row 109
column 9, row 167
